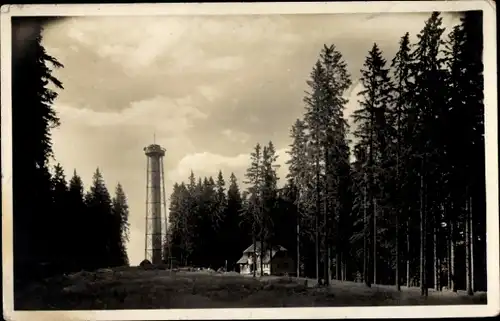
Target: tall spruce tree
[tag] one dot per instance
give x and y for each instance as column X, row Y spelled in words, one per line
column 220, row 218
column 236, row 237
column 371, row 130
column 80, row 255
column 466, row 111
column 120, row 212
column 401, row 65
column 32, row 109
column 298, row 176
column 315, row 101
column 429, row 101
column 269, row 194
column 61, row 248
column 99, row 209
column 335, row 154
column 253, row 208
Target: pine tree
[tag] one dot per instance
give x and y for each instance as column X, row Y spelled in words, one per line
column 236, row 237
column 220, row 218
column 60, row 250
column 313, row 117
column 120, row 225
column 401, row 65
column 359, row 218
column 100, row 213
column 208, row 224
column 32, row 109
column 188, row 209
column 336, row 153
column 269, row 194
column 186, row 217
column 298, row 176
column 174, row 233
column 253, row 209
column 466, row 112
column 371, row 121
column 80, row 255
column 429, row 101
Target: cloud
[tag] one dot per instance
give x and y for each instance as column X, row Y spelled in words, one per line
column 161, row 113
column 236, row 136
column 209, row 92
column 208, row 164
column 226, row 63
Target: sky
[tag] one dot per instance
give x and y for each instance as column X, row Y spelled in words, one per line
column 206, row 88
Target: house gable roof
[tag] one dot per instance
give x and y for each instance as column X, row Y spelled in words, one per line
column 243, row 260
column 258, row 246
column 267, row 258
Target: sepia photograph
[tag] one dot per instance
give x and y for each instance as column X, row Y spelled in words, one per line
column 198, row 161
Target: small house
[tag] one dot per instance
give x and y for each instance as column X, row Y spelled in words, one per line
column 275, row 260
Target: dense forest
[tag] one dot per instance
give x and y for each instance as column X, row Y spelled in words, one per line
column 397, row 199
column 58, row 227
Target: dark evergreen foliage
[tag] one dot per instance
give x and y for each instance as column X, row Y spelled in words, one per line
column 55, row 230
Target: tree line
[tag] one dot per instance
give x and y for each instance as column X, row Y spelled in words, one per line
column 397, row 199
column 57, row 226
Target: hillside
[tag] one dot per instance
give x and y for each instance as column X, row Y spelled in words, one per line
column 134, row 288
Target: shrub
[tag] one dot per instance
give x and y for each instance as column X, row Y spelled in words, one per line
column 145, row 263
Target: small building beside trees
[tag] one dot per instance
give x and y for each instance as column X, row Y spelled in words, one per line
column 275, row 260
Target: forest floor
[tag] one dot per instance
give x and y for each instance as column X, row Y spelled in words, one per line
column 135, row 288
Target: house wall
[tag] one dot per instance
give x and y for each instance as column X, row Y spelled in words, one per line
column 247, row 269
column 281, row 263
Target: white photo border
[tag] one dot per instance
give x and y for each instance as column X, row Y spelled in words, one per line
column 488, row 8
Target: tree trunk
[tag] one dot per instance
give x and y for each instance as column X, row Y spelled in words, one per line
column 398, row 284
column 471, row 222
column 468, row 277
column 254, row 263
column 448, row 261
column 338, row 266
column 435, row 255
column 262, row 253
column 338, row 251
column 326, row 225
column 298, row 235
column 422, row 237
column 374, row 241
column 398, row 205
column 317, row 250
column 408, row 277
column 328, row 265
column 366, row 260
column 318, row 212
column 345, row 270
column 342, row 267
column 426, row 227
column 452, row 258
column 448, row 252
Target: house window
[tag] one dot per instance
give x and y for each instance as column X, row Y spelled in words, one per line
column 285, row 265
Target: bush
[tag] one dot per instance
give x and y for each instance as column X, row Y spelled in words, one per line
column 145, row 263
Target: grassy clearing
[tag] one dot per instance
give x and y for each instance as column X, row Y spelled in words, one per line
column 135, row 288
